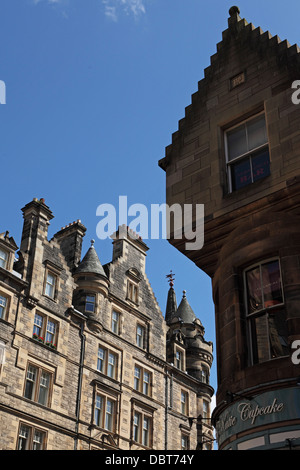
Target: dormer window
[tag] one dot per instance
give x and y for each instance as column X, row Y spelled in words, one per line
column 3, row 258
column 247, row 153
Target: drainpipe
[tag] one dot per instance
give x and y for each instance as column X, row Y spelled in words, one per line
column 166, row 410
column 78, row 400
column 168, row 391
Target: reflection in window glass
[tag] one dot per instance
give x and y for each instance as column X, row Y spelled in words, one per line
column 265, row 311
column 247, row 153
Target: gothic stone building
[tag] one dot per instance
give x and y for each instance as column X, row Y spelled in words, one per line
column 87, row 359
column 237, row 151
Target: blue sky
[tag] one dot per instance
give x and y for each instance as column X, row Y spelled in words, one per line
column 95, row 89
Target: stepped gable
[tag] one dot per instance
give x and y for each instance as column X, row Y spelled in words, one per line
column 239, row 33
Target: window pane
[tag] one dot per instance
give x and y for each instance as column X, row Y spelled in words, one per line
column 30, row 383
column 2, row 306
column 50, row 335
column 178, row 360
column 111, row 365
column 90, row 303
column 23, row 438
column 145, row 438
column 261, row 165
column 101, row 358
column 50, row 285
column 257, row 133
column 109, row 415
column 137, row 375
column 44, row 388
column 38, row 320
column 136, row 425
column 98, row 410
column 260, row 340
column 278, row 333
column 254, row 290
column 183, row 403
column 236, row 142
column 146, row 383
column 184, row 442
column 205, row 409
column 272, row 284
column 3, row 259
column 241, row 174
column 140, row 336
column 38, row 439
column 115, row 323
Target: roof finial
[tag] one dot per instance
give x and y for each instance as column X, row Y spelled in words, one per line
column 184, row 293
column 171, row 278
column 233, row 10
column 92, row 242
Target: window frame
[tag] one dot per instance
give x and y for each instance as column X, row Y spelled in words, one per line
column 138, row 434
column 2, row 354
column 107, row 364
column 184, row 404
column 4, row 309
column 244, row 156
column 140, row 339
column 132, row 291
column 49, row 272
column 261, row 312
column 89, row 302
column 205, row 409
column 37, row 384
column 185, row 436
column 179, row 363
column 30, row 439
column 115, row 323
column 5, row 259
column 40, row 332
column 205, row 374
column 139, row 383
column 103, row 413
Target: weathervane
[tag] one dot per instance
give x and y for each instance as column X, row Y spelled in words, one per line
column 171, row 278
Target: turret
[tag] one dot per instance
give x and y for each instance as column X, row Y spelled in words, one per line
column 92, row 288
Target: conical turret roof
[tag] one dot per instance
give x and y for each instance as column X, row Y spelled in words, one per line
column 171, row 308
column 185, row 311
column 91, row 263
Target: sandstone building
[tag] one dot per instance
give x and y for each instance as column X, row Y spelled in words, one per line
column 87, row 359
column 237, row 151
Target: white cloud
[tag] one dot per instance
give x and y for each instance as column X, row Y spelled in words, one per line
column 51, row 2
column 113, row 7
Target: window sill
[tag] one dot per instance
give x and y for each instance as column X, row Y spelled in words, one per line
column 142, row 394
column 138, row 444
column 267, row 362
column 40, row 341
column 53, row 299
column 241, row 191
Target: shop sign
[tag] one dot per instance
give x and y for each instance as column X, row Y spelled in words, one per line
column 270, row 407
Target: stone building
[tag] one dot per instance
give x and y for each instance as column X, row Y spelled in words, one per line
column 237, row 151
column 87, row 358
